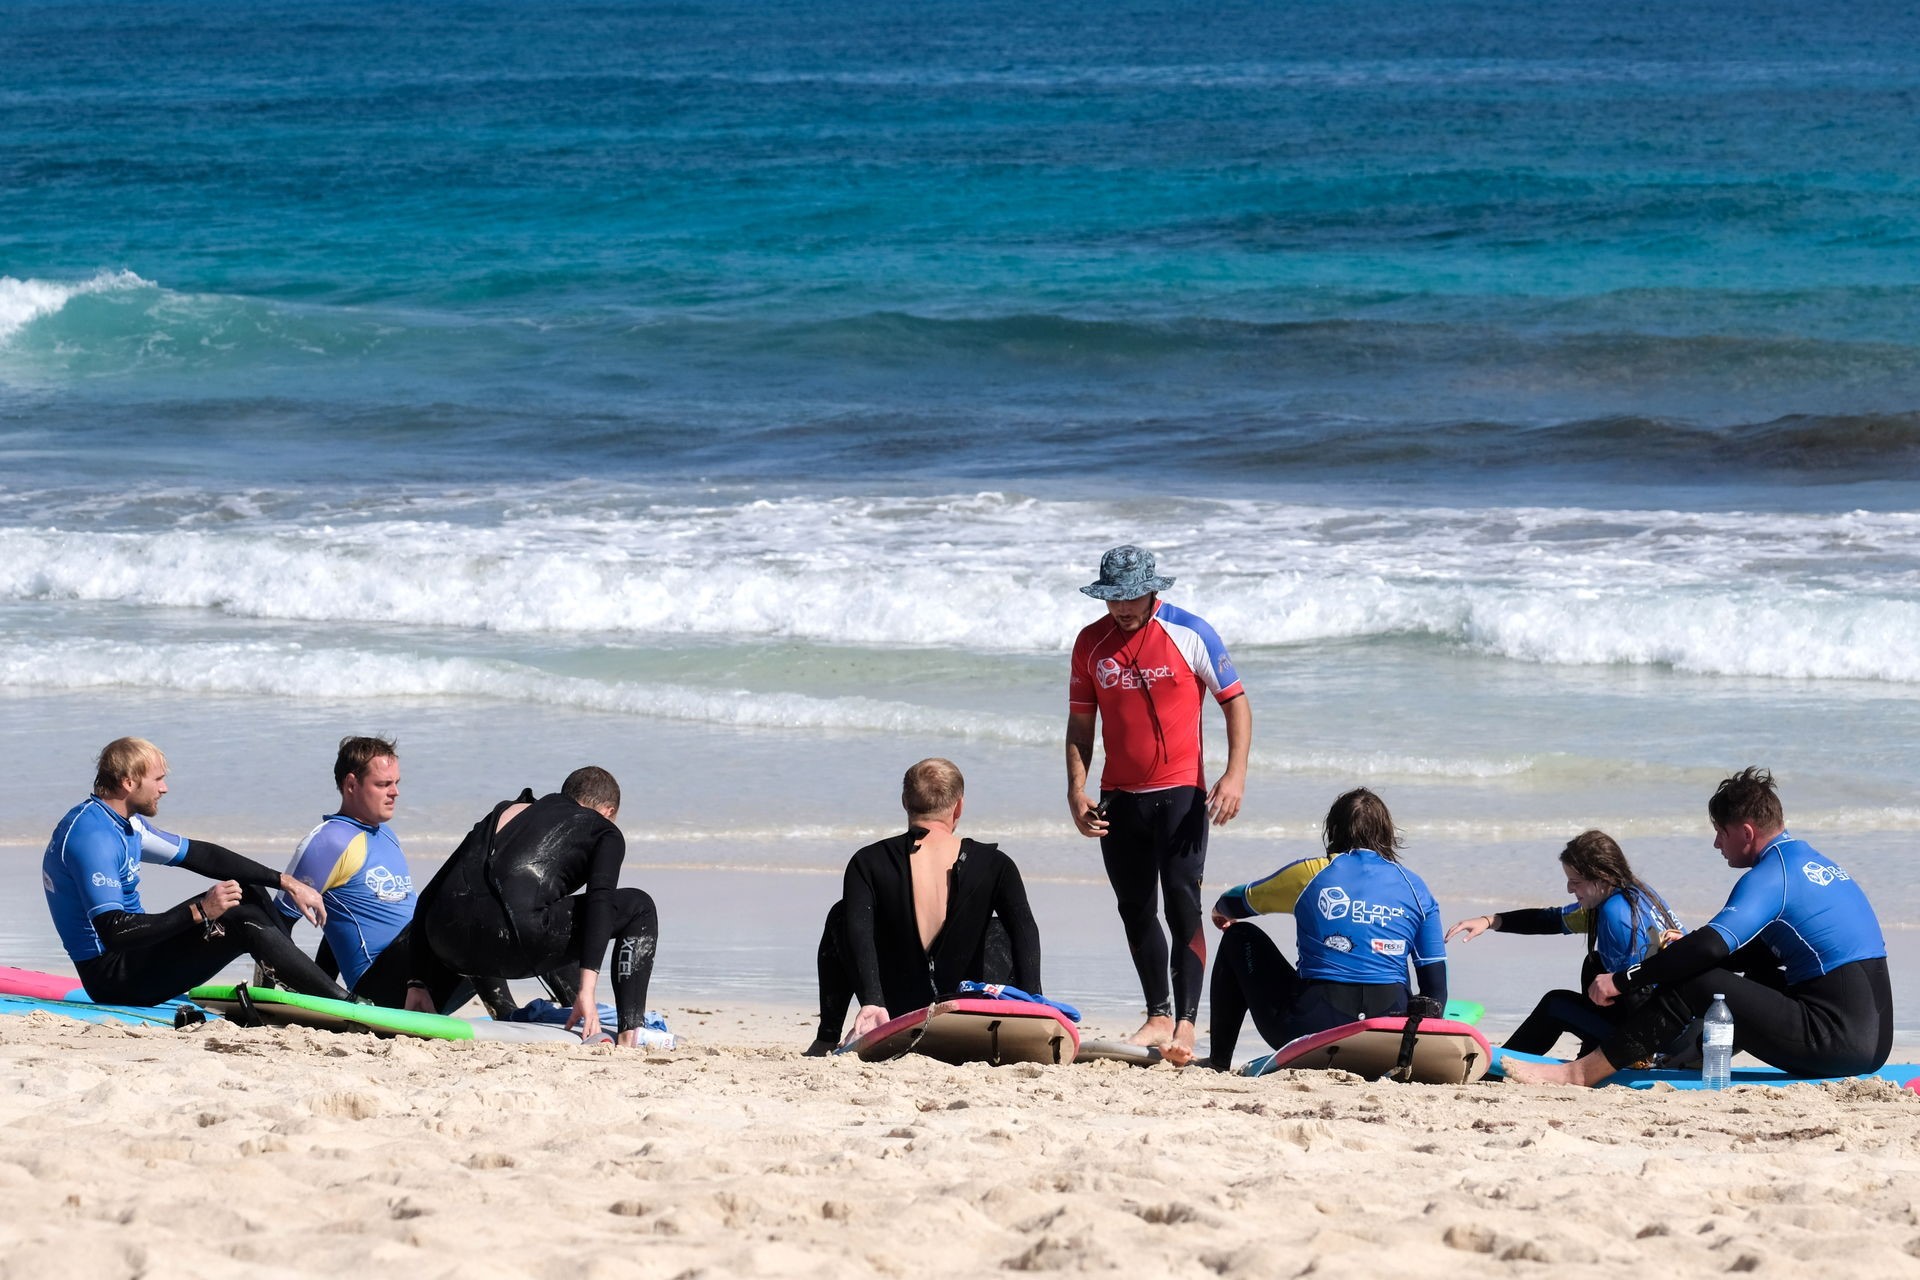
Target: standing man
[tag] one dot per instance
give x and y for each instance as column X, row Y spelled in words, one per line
column 1797, row 951
column 1140, row 672
column 127, row 955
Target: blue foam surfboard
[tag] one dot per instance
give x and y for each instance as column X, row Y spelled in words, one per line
column 1898, row 1072
column 159, row 1015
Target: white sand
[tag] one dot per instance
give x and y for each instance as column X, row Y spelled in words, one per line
column 233, row 1152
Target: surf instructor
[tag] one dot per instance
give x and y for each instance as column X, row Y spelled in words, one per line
column 1139, row 673
column 128, row 955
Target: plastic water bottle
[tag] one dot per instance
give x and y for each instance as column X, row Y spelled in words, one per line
column 1716, row 1045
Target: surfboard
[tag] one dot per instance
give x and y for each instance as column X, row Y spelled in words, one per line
column 24, row 991
column 40, row 986
column 1440, row 1052
column 246, row 1004
column 1900, row 1073
column 990, row 1031
column 1138, row 1055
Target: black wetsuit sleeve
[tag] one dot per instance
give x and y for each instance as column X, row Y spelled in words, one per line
column 603, row 877
column 131, row 930
column 217, row 862
column 857, row 893
column 1433, row 981
column 1531, row 920
column 1023, row 935
column 1699, row 951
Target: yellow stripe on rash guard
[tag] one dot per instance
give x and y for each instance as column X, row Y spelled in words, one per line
column 1279, row 891
column 352, row 858
column 1579, row 920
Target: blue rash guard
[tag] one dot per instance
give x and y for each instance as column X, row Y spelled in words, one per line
column 1622, row 935
column 92, row 865
column 1804, row 908
column 1361, row 917
column 365, row 883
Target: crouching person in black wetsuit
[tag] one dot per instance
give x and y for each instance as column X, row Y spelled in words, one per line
column 1797, row 951
column 126, row 955
column 921, row 913
column 505, row 906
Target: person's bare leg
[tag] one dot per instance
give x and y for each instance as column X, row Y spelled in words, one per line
column 1156, row 1032
column 1586, row 1071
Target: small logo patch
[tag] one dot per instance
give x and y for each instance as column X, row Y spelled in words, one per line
column 1823, row 875
column 101, row 880
column 1389, row 946
column 1339, row 942
column 1334, row 903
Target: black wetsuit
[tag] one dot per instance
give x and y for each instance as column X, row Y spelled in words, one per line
column 871, row 948
column 505, row 904
column 1156, row 848
column 155, row 956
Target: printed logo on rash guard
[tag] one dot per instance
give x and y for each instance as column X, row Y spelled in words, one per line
column 1110, row 674
column 1375, row 913
column 101, row 880
column 1823, row 875
column 386, row 886
column 1338, row 941
column 1334, row 903
column 1389, row 946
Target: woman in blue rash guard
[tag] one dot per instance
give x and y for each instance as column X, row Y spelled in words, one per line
column 1624, row 920
column 1362, row 919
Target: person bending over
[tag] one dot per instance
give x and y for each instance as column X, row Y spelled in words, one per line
column 922, row 912
column 1624, row 920
column 1362, row 918
column 1797, row 951
column 505, row 904
column 126, row 955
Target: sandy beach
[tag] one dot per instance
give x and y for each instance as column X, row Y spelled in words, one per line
column 229, row 1152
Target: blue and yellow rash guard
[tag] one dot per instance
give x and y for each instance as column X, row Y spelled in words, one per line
column 92, row 865
column 363, row 878
column 1622, row 936
column 1804, row 908
column 1361, row 917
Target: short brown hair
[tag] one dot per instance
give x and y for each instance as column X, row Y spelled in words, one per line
column 1359, row 820
column 592, row 787
column 356, row 754
column 122, row 760
column 931, row 786
column 1747, row 796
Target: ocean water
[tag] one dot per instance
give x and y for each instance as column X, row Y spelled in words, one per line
column 736, row 395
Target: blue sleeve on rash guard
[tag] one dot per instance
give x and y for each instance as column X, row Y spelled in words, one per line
column 1618, row 943
column 156, row 845
column 1757, row 900
column 1429, row 940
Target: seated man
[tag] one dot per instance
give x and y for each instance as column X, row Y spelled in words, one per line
column 921, row 913
column 124, row 955
column 1828, row 1012
column 504, row 905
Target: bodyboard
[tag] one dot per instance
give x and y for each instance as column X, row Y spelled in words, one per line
column 989, row 1031
column 1901, row 1073
column 39, row 986
column 289, row 1008
column 1443, row 1052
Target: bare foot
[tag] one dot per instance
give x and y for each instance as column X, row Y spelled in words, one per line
column 1179, row 1050
column 1586, row 1072
column 1155, row 1033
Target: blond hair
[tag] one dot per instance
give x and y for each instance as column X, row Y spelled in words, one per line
column 124, row 760
column 931, row 786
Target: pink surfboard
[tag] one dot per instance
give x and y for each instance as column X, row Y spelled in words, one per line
column 990, row 1031
column 39, row 986
column 1440, row 1052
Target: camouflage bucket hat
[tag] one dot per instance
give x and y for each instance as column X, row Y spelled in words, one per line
column 1127, row 573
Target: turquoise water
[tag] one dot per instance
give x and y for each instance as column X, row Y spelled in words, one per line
column 736, row 394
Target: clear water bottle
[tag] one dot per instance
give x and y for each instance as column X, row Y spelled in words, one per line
column 1716, row 1045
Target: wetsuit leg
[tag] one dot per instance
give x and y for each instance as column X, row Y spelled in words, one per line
column 1180, row 847
column 1133, row 871
column 385, row 981
column 1250, row 976
column 170, row 967
column 636, row 933
column 1840, row 1023
column 1558, row 1013
column 835, row 972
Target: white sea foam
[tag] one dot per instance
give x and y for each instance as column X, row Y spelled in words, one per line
column 24, row 301
column 1809, row 596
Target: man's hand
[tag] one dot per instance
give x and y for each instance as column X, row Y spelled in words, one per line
column 1602, row 990
column 1468, row 930
column 584, row 1017
column 215, row 901
column 1223, row 802
column 1086, row 815
column 305, row 897
column 869, row 1017
column 420, row 1000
